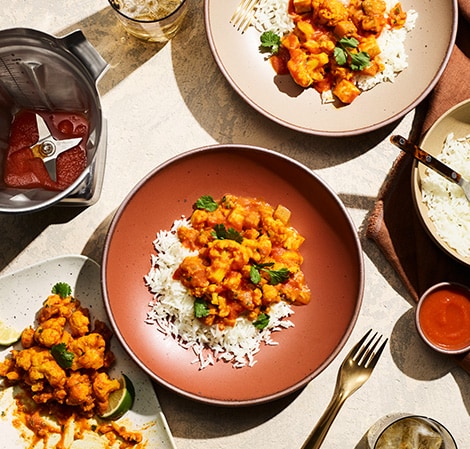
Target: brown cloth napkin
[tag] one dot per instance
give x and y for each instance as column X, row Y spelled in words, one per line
column 394, row 223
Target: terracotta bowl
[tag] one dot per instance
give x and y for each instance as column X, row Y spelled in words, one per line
column 333, row 265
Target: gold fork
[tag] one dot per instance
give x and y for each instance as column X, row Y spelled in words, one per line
column 353, row 373
column 241, row 18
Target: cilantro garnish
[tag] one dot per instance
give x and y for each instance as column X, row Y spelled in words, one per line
column 201, row 308
column 278, row 276
column 262, row 321
column 62, row 289
column 206, row 202
column 275, row 276
column 222, row 233
column 343, row 54
column 63, row 357
column 270, row 41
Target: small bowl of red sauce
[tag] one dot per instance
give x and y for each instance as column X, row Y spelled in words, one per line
column 443, row 317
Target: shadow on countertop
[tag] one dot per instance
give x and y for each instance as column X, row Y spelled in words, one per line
column 19, row 230
column 123, row 52
column 225, row 114
column 216, row 421
column 410, row 354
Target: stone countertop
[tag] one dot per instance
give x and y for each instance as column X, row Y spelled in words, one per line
column 162, row 100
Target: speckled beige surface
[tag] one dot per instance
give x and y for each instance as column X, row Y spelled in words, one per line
column 162, row 100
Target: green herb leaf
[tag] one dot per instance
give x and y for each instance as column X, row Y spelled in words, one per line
column 262, row 321
column 222, row 233
column 206, row 202
column 201, row 308
column 62, row 289
column 359, row 60
column 348, row 42
column 63, row 357
column 255, row 275
column 275, row 276
column 342, row 51
column 340, row 55
column 270, row 41
column 278, row 276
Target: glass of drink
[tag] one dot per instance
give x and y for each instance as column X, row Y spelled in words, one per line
column 151, row 20
column 410, row 432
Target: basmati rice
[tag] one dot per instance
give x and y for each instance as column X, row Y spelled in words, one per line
column 448, row 207
column 172, row 311
column 393, row 54
column 271, row 15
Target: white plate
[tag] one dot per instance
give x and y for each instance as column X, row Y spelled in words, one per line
column 23, row 293
column 428, row 47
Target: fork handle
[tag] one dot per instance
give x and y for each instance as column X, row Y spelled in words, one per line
column 317, row 435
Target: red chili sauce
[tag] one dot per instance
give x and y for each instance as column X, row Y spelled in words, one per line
column 445, row 318
column 24, row 170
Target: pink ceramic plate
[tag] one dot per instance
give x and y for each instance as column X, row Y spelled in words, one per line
column 428, row 47
column 333, row 267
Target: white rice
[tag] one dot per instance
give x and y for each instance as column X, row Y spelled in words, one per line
column 271, row 15
column 172, row 311
column 393, row 54
column 448, row 207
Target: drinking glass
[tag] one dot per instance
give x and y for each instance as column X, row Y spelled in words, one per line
column 151, row 20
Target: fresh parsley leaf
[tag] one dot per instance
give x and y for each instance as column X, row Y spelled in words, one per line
column 342, row 51
column 262, row 321
column 270, row 41
column 275, row 276
column 201, row 308
column 206, row 202
column 222, row 233
column 62, row 289
column 63, row 357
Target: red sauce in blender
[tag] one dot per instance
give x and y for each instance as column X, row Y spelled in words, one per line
column 24, row 170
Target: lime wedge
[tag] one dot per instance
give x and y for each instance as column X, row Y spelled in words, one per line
column 8, row 335
column 120, row 401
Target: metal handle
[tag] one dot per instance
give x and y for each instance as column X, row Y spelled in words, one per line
column 78, row 45
column 424, row 157
column 318, row 434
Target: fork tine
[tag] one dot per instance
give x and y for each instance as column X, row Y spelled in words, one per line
column 242, row 16
column 240, row 8
column 375, row 357
column 367, row 357
column 367, row 349
column 364, row 353
column 358, row 345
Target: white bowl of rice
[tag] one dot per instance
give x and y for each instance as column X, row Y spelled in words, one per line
column 441, row 204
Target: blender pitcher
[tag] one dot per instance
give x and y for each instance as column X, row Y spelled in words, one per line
column 40, row 72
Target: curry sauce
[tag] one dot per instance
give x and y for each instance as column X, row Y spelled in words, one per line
column 247, row 258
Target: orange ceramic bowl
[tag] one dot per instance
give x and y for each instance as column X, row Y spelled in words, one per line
column 443, row 318
column 333, row 267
